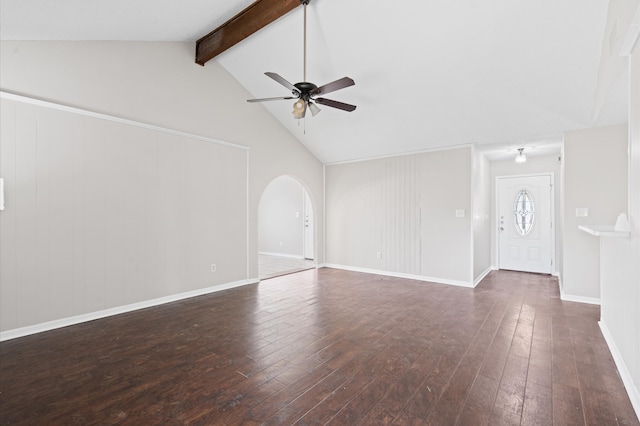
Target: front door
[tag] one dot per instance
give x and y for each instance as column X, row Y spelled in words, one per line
column 524, row 223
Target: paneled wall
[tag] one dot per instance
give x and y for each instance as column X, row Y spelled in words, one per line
column 398, row 215
column 182, row 201
column 100, row 214
column 158, row 83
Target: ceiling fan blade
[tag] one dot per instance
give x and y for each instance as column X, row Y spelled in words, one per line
column 282, row 81
column 335, row 104
column 333, row 86
column 279, row 98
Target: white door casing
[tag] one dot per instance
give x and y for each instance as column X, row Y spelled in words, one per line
column 309, row 242
column 525, row 245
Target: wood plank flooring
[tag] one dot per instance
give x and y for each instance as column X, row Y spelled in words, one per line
column 327, row 347
column 275, row 266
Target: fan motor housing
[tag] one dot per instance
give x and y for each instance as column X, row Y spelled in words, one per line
column 305, row 87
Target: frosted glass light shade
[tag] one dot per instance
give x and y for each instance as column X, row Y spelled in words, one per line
column 521, row 157
column 299, row 108
column 313, row 108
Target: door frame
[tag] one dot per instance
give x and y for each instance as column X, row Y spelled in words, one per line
column 553, row 218
column 308, row 235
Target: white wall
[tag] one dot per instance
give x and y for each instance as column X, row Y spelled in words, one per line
column 280, row 218
column 595, row 173
column 158, row 84
column 534, row 164
column 403, row 207
column 102, row 214
column 620, row 274
column 481, row 193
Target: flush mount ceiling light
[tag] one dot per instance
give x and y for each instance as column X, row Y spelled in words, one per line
column 521, row 157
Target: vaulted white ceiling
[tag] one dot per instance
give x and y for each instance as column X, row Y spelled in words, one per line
column 501, row 73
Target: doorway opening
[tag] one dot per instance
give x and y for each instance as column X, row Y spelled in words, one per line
column 525, row 234
column 286, row 229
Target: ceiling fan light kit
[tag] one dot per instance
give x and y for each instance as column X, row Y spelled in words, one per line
column 314, row 109
column 306, row 92
column 299, row 109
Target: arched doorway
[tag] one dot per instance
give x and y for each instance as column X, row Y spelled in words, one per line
column 286, row 242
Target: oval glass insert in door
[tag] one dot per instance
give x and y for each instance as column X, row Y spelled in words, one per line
column 523, row 212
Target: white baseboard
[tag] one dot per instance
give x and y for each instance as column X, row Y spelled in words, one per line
column 290, row 256
column 623, row 371
column 399, row 275
column 65, row 322
column 573, row 298
column 579, row 299
column 559, row 282
column 484, row 274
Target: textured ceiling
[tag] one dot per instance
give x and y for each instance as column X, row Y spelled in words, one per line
column 501, row 73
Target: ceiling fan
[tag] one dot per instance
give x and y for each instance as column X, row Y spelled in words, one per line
column 306, row 93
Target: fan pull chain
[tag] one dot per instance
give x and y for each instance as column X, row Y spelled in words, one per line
column 304, row 125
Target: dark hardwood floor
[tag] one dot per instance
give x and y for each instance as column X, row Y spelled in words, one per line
column 327, row 346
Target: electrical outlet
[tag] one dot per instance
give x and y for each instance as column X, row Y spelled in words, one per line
column 214, row 268
column 378, row 255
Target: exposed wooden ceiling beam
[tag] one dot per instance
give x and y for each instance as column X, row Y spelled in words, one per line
column 256, row 16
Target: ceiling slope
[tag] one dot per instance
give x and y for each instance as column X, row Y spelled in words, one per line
column 428, row 74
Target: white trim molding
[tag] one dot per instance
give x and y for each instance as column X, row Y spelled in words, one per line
column 1, row 194
column 79, row 111
column 400, row 154
column 78, row 319
column 623, row 371
column 559, row 283
column 290, row 256
column 572, row 297
column 632, row 35
column 399, row 275
column 580, row 299
column 483, row 275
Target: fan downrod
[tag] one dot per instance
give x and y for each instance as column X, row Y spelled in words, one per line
column 305, row 92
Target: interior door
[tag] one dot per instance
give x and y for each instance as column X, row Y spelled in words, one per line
column 524, row 223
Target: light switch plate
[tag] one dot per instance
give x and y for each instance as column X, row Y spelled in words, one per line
column 459, row 213
column 582, row 212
